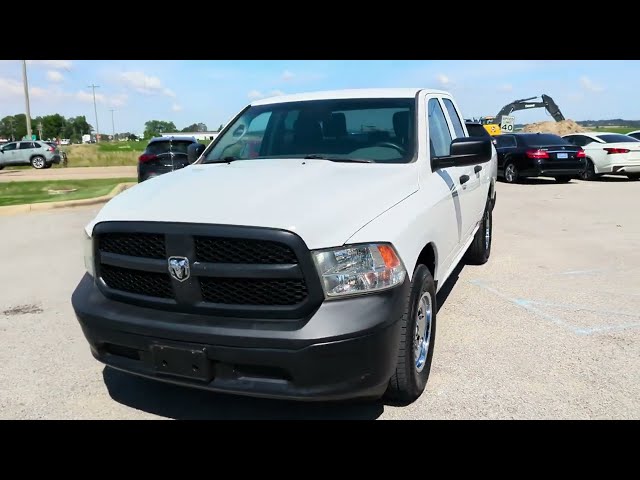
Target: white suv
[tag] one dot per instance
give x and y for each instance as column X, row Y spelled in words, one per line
column 300, row 255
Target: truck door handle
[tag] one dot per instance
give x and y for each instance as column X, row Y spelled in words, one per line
column 477, row 168
column 464, row 179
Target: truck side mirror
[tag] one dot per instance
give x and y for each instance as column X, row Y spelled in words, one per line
column 194, row 151
column 466, row 151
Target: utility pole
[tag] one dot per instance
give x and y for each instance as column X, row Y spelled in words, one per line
column 26, row 97
column 113, row 125
column 95, row 110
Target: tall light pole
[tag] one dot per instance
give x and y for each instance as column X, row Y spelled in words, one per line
column 113, row 125
column 95, row 110
column 26, row 97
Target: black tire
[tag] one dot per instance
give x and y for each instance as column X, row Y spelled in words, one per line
column 589, row 173
column 409, row 380
column 38, row 162
column 633, row 176
column 1, row 167
column 480, row 249
column 511, row 174
column 563, row 179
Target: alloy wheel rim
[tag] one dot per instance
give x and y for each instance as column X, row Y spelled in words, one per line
column 422, row 334
column 510, row 173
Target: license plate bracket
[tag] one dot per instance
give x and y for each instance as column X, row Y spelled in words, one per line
column 563, row 155
column 182, row 362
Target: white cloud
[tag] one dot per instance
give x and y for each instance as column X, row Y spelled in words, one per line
column 118, row 100
column 176, row 108
column 145, row 84
column 507, row 87
column 10, row 88
column 287, row 75
column 257, row 94
column 56, row 64
column 87, row 97
column 54, row 76
column 443, row 80
column 589, row 85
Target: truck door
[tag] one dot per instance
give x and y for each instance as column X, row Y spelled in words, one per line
column 457, row 178
column 477, row 187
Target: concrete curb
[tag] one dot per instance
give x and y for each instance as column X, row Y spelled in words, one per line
column 35, row 207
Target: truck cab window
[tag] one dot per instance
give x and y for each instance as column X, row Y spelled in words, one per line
column 439, row 135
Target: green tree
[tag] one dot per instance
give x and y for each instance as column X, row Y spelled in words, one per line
column 76, row 127
column 53, row 126
column 154, row 128
column 195, row 127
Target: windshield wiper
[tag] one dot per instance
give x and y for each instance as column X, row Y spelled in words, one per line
column 228, row 159
column 335, row 159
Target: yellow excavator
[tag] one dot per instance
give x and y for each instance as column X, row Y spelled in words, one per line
column 492, row 124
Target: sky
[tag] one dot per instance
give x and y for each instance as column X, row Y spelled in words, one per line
column 213, row 91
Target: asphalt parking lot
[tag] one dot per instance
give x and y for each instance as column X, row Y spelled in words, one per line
column 549, row 328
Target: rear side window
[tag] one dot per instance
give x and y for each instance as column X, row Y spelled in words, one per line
column 615, row 138
column 505, row 141
column 476, row 130
column 158, row 148
column 543, row 140
column 439, row 135
column 28, row 145
column 455, row 119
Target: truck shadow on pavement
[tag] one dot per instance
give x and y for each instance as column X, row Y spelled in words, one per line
column 182, row 403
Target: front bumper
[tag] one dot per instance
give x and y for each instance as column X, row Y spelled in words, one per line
column 346, row 349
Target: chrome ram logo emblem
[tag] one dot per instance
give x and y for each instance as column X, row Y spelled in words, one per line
column 179, row 268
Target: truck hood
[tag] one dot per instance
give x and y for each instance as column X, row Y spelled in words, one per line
column 324, row 202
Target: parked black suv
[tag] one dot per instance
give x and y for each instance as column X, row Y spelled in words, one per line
column 164, row 155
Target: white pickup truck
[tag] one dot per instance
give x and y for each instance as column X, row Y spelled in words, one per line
column 300, row 254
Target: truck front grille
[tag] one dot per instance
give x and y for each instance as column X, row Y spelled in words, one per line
column 137, row 281
column 237, row 250
column 133, row 244
column 239, row 271
column 247, row 291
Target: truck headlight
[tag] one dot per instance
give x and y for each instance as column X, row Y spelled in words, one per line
column 88, row 254
column 359, row 269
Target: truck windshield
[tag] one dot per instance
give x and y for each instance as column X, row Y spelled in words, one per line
column 372, row 130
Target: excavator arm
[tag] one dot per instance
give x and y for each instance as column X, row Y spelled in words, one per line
column 524, row 104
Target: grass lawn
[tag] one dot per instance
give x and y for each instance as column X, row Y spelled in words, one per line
column 18, row 193
column 105, row 154
column 106, row 147
column 622, row 130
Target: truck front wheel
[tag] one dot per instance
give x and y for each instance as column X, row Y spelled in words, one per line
column 418, row 324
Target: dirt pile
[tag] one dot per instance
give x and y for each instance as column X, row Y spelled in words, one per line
column 559, row 128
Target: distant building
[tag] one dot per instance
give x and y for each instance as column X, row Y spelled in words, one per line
column 197, row 135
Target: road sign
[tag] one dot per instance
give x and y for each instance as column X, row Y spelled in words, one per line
column 507, row 124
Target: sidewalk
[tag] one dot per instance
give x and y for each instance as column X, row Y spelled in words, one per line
column 71, row 173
